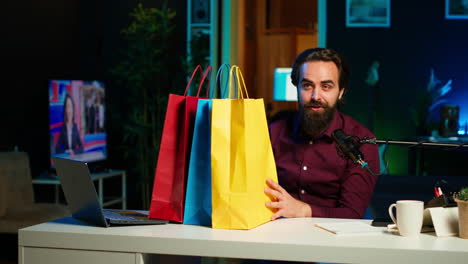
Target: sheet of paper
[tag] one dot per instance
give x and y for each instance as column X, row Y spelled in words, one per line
column 444, row 220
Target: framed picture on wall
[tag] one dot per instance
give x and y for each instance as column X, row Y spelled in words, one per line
column 368, row 13
column 456, row 9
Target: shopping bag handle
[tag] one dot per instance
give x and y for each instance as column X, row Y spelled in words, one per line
column 206, row 74
column 219, row 76
column 197, row 68
column 236, row 73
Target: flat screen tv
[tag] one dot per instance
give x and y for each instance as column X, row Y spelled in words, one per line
column 77, row 120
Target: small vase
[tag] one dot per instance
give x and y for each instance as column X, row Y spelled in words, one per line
column 462, row 218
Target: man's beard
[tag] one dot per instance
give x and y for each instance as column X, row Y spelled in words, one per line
column 313, row 123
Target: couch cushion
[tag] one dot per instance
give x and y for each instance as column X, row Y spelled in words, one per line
column 3, row 196
column 17, row 218
column 14, row 167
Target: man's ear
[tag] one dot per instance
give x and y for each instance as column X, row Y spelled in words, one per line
column 342, row 92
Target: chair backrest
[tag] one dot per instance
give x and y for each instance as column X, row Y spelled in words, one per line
column 15, row 176
column 3, row 197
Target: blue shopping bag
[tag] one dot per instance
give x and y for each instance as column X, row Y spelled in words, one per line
column 198, row 195
column 198, row 192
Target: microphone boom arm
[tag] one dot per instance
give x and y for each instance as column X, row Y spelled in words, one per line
column 375, row 141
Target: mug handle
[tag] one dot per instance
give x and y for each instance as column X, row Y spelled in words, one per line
column 390, row 212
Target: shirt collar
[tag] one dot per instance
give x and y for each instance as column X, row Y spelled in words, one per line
column 334, row 124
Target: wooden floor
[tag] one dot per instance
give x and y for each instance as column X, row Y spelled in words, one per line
column 9, row 252
column 8, row 261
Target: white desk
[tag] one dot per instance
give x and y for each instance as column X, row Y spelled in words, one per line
column 100, row 177
column 296, row 239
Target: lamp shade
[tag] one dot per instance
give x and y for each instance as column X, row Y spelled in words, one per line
column 283, row 89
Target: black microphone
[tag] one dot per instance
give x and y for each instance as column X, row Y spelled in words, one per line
column 348, row 147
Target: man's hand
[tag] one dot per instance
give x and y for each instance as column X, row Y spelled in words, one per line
column 285, row 204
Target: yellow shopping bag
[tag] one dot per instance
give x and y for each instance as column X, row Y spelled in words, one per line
column 241, row 159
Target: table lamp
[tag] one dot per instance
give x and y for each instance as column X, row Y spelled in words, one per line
column 283, row 89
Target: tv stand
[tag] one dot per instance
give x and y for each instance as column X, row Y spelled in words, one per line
column 96, row 176
column 98, row 169
column 48, row 174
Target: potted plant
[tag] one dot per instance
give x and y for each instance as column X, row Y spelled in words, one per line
column 462, row 202
column 147, row 73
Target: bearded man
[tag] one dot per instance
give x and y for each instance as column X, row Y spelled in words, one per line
column 314, row 180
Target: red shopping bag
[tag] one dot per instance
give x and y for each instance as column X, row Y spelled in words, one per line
column 168, row 196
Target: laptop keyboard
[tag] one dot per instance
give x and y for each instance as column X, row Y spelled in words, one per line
column 116, row 216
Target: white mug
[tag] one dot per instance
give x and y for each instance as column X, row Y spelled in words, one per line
column 409, row 218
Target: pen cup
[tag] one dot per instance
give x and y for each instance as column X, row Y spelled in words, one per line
column 409, row 217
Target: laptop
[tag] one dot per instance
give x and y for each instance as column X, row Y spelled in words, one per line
column 83, row 201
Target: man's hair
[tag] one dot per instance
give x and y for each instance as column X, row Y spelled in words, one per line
column 321, row 54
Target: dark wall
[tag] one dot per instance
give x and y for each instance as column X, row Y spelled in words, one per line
column 41, row 40
column 419, row 38
column 55, row 39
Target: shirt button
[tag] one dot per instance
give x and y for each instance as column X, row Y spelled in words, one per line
column 304, row 168
column 311, row 142
column 302, row 191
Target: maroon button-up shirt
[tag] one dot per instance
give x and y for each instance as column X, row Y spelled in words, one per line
column 312, row 171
